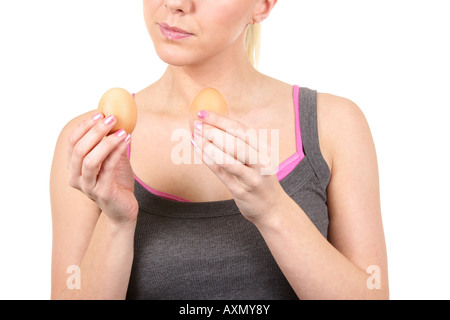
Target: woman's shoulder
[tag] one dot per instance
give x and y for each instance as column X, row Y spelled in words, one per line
column 65, row 134
column 76, row 121
column 340, row 122
column 337, row 110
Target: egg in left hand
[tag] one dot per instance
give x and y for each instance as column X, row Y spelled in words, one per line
column 121, row 104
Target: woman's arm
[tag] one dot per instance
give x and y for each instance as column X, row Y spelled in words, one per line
column 91, row 253
column 316, row 268
column 105, row 269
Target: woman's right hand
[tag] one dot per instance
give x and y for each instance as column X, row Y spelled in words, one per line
column 99, row 167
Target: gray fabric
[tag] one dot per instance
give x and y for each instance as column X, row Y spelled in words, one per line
column 209, row 250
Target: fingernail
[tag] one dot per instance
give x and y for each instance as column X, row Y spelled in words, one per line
column 196, row 135
column 128, row 137
column 120, row 133
column 198, row 126
column 194, row 144
column 97, row 116
column 110, row 119
column 202, row 114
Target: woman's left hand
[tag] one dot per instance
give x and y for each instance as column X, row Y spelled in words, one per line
column 243, row 161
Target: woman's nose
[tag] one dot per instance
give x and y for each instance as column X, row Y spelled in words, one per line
column 179, row 6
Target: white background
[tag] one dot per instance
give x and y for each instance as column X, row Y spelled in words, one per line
column 391, row 57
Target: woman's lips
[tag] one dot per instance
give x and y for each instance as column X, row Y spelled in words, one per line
column 173, row 33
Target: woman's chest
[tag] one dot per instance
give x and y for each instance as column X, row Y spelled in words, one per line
column 164, row 159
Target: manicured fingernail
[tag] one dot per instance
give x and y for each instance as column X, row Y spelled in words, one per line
column 193, row 143
column 128, row 138
column 198, row 126
column 120, row 133
column 202, row 114
column 196, row 135
column 98, row 116
column 110, row 119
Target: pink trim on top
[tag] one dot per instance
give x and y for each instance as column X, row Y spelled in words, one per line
column 289, row 164
column 154, row 191
column 150, row 189
column 159, row 193
column 283, row 169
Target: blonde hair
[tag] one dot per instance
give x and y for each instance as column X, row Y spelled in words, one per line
column 253, row 43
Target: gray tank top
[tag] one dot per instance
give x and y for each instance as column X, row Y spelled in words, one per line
column 208, row 250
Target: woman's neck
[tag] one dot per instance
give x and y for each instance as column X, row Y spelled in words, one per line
column 236, row 81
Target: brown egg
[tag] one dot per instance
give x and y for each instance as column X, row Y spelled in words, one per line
column 207, row 99
column 210, row 99
column 119, row 103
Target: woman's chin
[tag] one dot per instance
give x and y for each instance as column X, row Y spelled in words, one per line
column 176, row 57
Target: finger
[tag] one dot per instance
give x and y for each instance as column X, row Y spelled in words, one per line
column 250, row 147
column 95, row 160
column 79, row 132
column 111, row 163
column 225, row 172
column 231, row 126
column 88, row 142
column 222, row 163
column 117, row 154
column 231, row 145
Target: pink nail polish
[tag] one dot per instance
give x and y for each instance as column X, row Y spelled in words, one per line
column 98, row 116
column 110, row 120
column 196, row 135
column 202, row 114
column 120, row 133
column 128, row 138
column 194, row 144
column 198, row 126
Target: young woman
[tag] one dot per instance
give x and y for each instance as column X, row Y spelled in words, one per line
column 131, row 222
